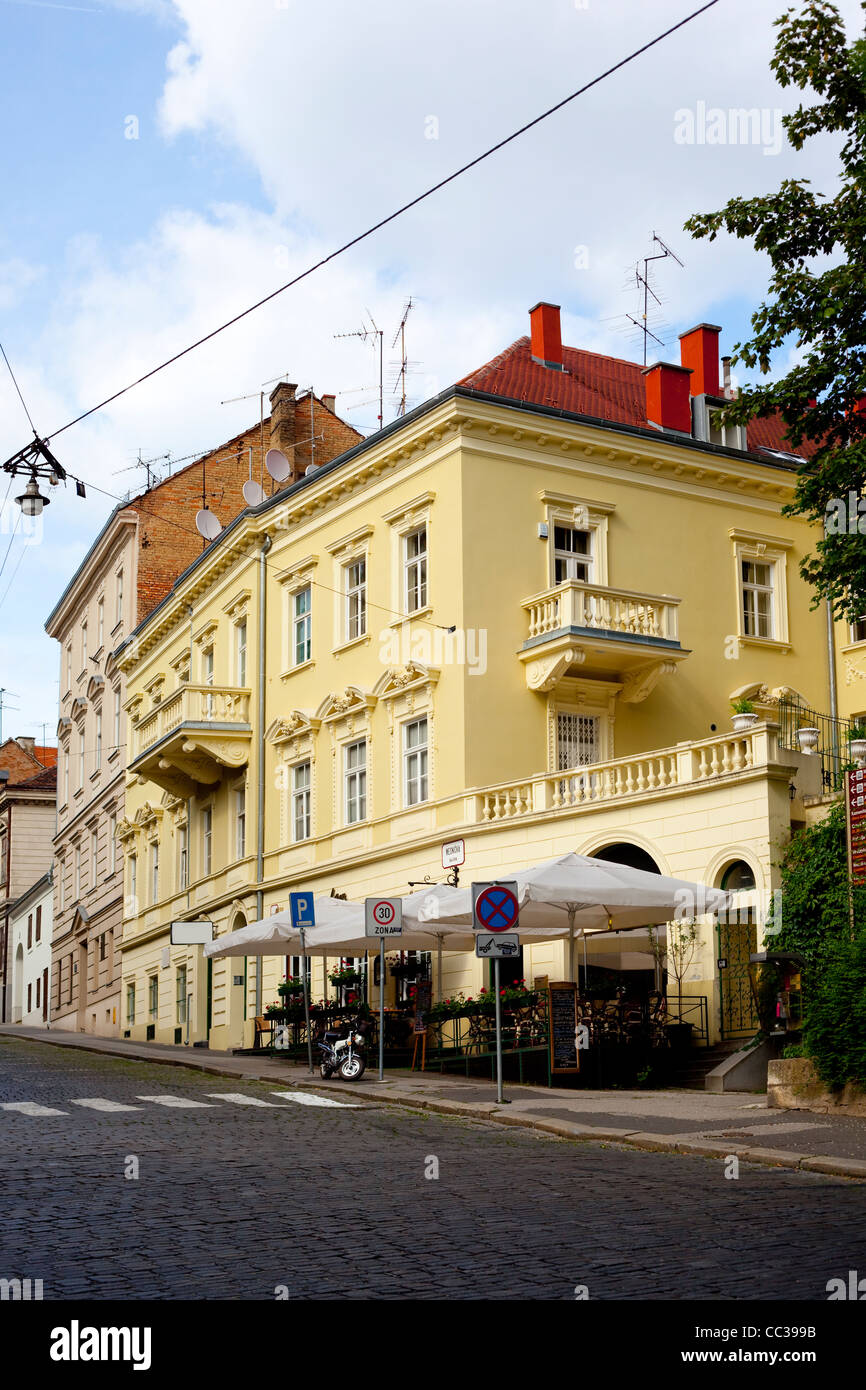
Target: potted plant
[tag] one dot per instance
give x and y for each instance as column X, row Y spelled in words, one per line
column 744, row 715
column 345, row 976
column 290, row 987
column 857, row 742
column 807, row 737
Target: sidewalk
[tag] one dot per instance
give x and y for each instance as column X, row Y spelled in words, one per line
column 676, row 1121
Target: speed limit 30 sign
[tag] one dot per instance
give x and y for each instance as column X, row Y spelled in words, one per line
column 383, row 916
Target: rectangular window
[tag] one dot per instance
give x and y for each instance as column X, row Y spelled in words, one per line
column 112, row 842
column 577, row 740
column 572, row 554
column 240, row 823
column 29, row 930
column 66, row 779
column 29, row 998
column 858, row 630
column 39, row 923
column 757, row 597
column 355, row 581
column 355, row 775
column 207, row 679
column 61, row 882
column 69, row 666
column 71, row 972
column 84, row 646
column 206, row 840
column 299, row 966
column 38, row 992
column 99, row 738
column 302, row 626
column 154, row 872
column 81, row 759
column 301, row 774
column 415, row 565
column 153, row 996
column 100, row 624
column 130, row 1003
column 133, row 885
column 77, row 876
column 103, row 950
column 94, row 851
column 241, row 651
column 415, row 762
column 181, row 994
column 118, row 611
column 183, row 854
column 117, row 713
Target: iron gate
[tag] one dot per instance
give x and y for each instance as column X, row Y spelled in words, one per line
column 737, row 940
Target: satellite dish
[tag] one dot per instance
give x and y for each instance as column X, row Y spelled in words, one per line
column 207, row 524
column 311, row 468
column 253, row 492
column 277, row 465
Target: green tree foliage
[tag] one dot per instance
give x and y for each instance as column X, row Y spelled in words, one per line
column 835, row 1031
column 816, row 301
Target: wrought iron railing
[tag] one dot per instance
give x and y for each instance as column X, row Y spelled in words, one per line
column 832, row 746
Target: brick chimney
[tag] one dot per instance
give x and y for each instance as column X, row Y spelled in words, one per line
column 699, row 350
column 329, row 402
column 546, row 334
column 667, row 396
column 27, row 743
column 283, row 404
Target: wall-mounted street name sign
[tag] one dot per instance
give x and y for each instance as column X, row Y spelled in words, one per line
column 191, row 933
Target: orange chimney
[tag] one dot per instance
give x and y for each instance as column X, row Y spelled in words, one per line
column 667, row 396
column 699, row 350
column 546, row 334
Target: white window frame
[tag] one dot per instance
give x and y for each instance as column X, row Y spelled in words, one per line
column 81, row 758
column 574, row 560
column 100, row 624
column 98, row 735
column 153, row 997
column 181, row 999
column 117, row 713
column 154, row 872
column 112, row 842
column 416, row 572
column 765, row 550
column 578, row 514
column 94, row 856
column 76, row 867
column 355, row 600
column 130, row 1002
column 301, row 800
column 355, row 809
column 241, row 652
column 207, row 841
column 84, row 646
column 118, row 607
column 183, row 857
column 416, row 764
column 133, row 881
column 302, row 626
column 240, row 800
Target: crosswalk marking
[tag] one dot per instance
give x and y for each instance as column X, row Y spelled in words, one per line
column 97, row 1103
column 29, row 1107
column 307, row 1098
column 237, row 1099
column 177, row 1102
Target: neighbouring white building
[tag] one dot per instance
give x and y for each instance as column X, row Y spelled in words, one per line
column 30, row 940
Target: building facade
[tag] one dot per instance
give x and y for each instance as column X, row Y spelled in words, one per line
column 30, row 954
column 27, row 820
column 518, row 616
column 129, row 568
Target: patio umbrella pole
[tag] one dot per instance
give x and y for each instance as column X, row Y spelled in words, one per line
column 439, row 967
column 571, row 911
column 306, row 1001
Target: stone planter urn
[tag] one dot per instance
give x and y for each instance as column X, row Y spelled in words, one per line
column 808, row 740
column 743, row 722
column 858, row 749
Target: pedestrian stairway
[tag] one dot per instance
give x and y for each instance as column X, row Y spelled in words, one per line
column 696, row 1065
column 216, row 1101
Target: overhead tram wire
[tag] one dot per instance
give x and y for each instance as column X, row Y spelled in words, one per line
column 392, row 217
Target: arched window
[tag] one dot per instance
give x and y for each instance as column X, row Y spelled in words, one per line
column 632, row 855
column 737, row 877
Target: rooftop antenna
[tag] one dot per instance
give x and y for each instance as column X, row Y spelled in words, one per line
column 261, row 395
column 4, row 704
column 369, row 335
column 147, row 465
column 642, row 283
column 404, row 361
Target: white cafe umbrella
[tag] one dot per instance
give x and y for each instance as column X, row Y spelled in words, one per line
column 275, row 935
column 593, row 894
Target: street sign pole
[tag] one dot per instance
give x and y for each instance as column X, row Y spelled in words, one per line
column 499, row 1096
column 381, row 1008
column 306, row 1001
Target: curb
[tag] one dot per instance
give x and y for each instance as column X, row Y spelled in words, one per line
column 851, row 1168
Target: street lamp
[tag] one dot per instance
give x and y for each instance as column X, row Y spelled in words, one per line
column 31, row 500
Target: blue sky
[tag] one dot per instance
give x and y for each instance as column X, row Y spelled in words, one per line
column 269, row 131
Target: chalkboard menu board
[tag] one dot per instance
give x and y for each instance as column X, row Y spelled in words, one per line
column 423, row 1000
column 563, row 1023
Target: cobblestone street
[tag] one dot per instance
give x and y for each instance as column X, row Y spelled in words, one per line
column 244, row 1187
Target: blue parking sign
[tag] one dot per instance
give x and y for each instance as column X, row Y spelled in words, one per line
column 302, row 910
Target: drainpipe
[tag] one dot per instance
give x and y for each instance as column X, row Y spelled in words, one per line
column 260, row 817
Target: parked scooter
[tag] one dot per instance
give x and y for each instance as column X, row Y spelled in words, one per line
column 344, row 1050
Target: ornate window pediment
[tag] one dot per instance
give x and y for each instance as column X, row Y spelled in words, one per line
column 126, row 830
column 348, row 545
column 298, row 576
column 94, row 686
column 64, row 728
column 154, row 688
column 147, row 817
column 398, row 679
column 352, row 700
column 205, row 635
column 133, row 707
column 79, row 705
column 180, row 665
column 237, row 606
column 292, row 726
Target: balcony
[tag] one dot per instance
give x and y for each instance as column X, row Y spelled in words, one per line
column 603, row 633
column 189, row 740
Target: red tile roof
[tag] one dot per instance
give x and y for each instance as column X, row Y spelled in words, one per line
column 608, row 388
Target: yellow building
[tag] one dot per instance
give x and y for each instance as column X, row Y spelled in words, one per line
column 518, row 616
